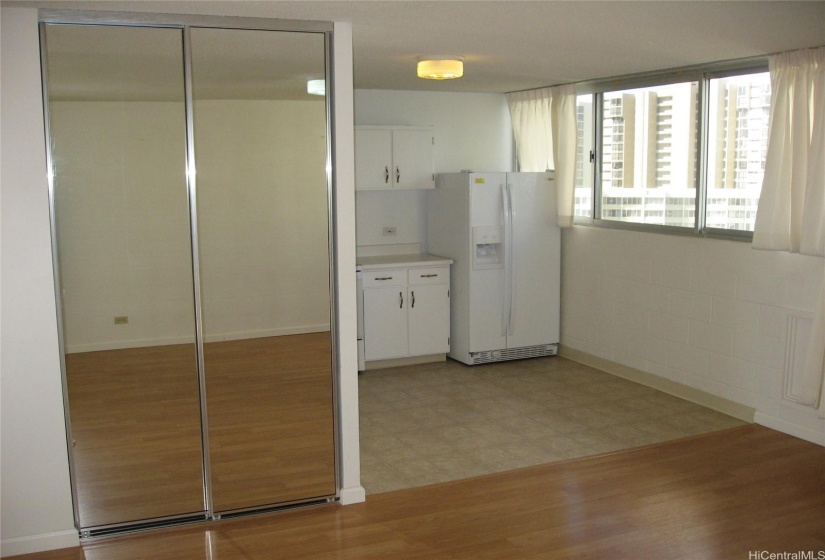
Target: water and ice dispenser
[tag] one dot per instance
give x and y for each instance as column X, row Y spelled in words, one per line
column 489, row 248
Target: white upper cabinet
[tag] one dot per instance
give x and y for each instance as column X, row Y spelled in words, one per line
column 373, row 159
column 390, row 157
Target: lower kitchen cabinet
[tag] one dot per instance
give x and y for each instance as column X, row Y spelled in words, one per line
column 385, row 323
column 428, row 320
column 406, row 312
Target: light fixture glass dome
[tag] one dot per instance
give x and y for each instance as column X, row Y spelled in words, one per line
column 440, row 67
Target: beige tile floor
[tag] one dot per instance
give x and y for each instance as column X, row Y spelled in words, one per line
column 431, row 423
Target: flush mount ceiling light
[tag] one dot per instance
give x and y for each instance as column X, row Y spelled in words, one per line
column 440, row 67
column 317, row 87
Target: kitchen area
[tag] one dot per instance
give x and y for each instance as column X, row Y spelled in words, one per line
column 405, row 141
column 426, row 418
column 394, row 326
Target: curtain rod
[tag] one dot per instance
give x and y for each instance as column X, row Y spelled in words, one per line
column 732, row 64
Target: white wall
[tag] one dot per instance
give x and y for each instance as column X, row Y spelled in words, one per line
column 124, row 229
column 36, row 505
column 262, row 217
column 472, row 131
column 706, row 313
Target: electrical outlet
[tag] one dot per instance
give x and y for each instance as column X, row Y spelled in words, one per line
column 390, row 231
column 121, row 320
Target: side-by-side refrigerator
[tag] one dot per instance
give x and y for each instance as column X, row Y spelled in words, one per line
column 500, row 229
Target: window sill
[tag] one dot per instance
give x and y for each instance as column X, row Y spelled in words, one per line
column 709, row 233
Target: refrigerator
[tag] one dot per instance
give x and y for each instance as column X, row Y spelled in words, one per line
column 500, row 230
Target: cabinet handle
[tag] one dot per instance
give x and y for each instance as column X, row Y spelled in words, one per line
column 397, row 175
column 401, row 305
column 386, row 174
column 413, row 300
column 384, row 278
column 429, row 275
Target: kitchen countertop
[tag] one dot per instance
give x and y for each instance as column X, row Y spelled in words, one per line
column 415, row 259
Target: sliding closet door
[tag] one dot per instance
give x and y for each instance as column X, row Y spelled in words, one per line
column 121, row 213
column 264, row 261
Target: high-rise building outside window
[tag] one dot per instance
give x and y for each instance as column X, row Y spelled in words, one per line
column 584, row 149
column 663, row 147
column 738, row 118
column 652, row 135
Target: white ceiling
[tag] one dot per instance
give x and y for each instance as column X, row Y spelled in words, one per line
column 516, row 45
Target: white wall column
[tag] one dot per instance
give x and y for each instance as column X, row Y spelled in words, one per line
column 344, row 200
column 36, row 508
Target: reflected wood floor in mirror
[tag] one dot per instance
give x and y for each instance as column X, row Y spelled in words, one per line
column 713, row 496
column 270, row 408
column 136, row 422
column 136, row 427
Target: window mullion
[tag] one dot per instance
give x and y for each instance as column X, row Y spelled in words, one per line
column 598, row 121
column 702, row 156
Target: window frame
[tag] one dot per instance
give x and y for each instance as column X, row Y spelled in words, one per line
column 702, row 75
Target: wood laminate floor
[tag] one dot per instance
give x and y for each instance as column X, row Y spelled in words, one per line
column 724, row 495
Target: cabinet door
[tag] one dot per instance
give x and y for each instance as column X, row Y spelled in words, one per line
column 412, row 154
column 429, row 319
column 385, row 323
column 373, row 159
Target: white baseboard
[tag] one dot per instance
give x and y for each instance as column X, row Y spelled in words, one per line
column 354, row 495
column 240, row 335
column 123, row 344
column 410, row 361
column 39, row 543
column 789, row 428
column 708, row 400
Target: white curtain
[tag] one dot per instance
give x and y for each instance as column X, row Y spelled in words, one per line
column 791, row 215
column 544, row 126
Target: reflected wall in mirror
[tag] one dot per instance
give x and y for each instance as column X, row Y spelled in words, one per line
column 140, row 408
column 263, row 236
column 121, row 213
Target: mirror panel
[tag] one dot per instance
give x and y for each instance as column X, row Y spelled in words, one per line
column 121, row 213
column 264, row 261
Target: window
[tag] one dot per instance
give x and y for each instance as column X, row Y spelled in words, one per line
column 658, row 141
column 584, row 147
column 663, row 149
column 738, row 108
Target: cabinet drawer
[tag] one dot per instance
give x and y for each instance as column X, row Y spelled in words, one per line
column 388, row 277
column 433, row 275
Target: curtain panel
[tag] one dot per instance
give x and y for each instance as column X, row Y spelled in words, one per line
column 544, row 127
column 791, row 213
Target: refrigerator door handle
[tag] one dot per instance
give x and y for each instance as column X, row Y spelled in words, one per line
column 506, row 292
column 511, row 263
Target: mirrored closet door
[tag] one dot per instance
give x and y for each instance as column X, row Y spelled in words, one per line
column 263, row 231
column 195, row 306
column 118, row 145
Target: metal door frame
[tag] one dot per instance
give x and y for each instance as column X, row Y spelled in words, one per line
column 185, row 23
